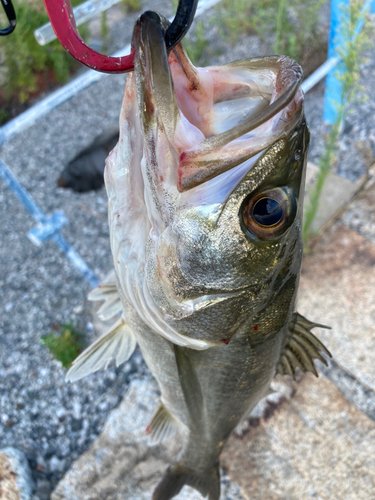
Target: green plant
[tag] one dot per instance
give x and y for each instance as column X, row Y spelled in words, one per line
column 131, row 5
column 196, row 46
column 297, row 27
column 325, row 163
column 27, row 63
column 355, row 42
column 235, row 17
column 104, row 31
column 281, row 11
column 4, row 116
column 66, row 346
column 293, row 24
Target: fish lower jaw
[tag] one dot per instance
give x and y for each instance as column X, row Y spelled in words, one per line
column 187, row 307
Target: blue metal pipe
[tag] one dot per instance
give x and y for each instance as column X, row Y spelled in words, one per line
column 333, row 89
column 48, row 227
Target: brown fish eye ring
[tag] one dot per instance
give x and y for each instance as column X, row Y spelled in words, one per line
column 269, row 213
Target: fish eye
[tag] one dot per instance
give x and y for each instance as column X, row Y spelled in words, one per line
column 269, row 213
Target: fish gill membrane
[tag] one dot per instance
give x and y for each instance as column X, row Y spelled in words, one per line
column 205, row 190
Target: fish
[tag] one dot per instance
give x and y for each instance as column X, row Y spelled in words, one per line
column 205, row 197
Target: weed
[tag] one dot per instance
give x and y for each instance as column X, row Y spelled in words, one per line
column 196, row 46
column 325, row 163
column 355, row 42
column 131, row 5
column 26, row 62
column 66, row 346
column 104, row 31
column 293, row 25
column 235, row 17
column 297, row 28
column 196, row 43
column 4, row 116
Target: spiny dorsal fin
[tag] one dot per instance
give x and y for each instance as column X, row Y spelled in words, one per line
column 112, row 302
column 301, row 347
column 117, row 343
column 162, row 425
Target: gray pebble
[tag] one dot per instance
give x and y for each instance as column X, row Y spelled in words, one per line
column 21, row 469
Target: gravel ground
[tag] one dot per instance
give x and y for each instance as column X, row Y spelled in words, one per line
column 51, row 421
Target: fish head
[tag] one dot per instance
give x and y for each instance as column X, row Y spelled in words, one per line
column 205, row 190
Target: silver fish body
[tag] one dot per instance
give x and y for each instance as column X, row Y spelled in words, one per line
column 205, row 193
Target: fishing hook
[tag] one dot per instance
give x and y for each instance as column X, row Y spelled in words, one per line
column 62, row 19
column 11, row 15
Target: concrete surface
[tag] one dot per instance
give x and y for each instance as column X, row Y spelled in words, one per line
column 360, row 215
column 311, row 444
column 53, row 422
column 317, row 445
column 121, row 465
column 337, row 193
column 337, row 288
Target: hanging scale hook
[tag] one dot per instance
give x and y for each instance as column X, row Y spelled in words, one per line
column 62, row 19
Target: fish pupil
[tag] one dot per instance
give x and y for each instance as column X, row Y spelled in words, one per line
column 267, row 212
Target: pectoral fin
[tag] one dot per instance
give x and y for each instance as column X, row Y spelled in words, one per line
column 103, row 291
column 301, row 348
column 112, row 301
column 117, row 343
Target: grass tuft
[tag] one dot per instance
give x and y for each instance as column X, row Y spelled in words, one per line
column 293, row 26
column 131, row 5
column 196, row 47
column 66, row 346
column 28, row 67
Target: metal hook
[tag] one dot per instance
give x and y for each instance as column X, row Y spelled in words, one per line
column 11, row 15
column 181, row 23
column 62, row 19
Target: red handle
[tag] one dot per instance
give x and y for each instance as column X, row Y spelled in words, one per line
column 62, row 19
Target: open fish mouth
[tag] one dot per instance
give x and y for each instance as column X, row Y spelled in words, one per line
column 259, row 106
column 215, row 117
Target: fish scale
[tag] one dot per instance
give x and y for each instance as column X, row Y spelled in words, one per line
column 206, row 290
